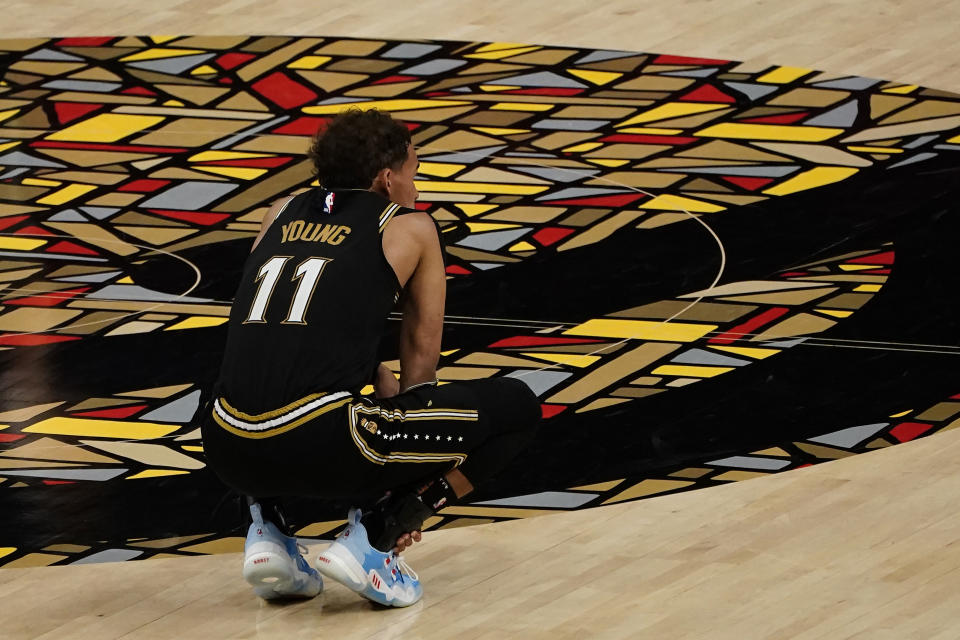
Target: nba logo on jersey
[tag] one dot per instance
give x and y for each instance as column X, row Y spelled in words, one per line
column 328, row 203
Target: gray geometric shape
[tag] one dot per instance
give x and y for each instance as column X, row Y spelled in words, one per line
column 246, row 133
column 180, row 410
column 110, row 555
column 539, row 381
column 50, row 256
column 702, row 356
column 68, row 215
column 100, row 213
column 569, row 124
column 765, row 172
column 919, row 142
column 527, row 154
column 752, row 91
column 751, row 462
column 580, row 192
column 473, row 155
column 82, row 85
column 544, row 500
column 920, row 157
column 486, row 266
column 20, row 159
column 91, row 277
column 542, row 79
column 173, row 65
column 843, row 116
column 849, row 438
column 600, row 56
column 948, row 147
column 99, row 475
column 189, row 196
column 341, row 100
column 50, row 54
column 13, row 173
column 135, row 292
column 786, row 344
column 696, row 73
column 557, row 174
column 433, row 67
column 855, row 83
column 493, row 240
column 408, row 50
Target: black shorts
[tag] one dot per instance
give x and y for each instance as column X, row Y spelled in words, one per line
column 337, row 445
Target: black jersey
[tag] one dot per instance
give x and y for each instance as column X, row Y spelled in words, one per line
column 313, row 302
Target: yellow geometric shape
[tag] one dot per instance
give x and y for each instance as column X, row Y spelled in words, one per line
column 907, row 88
column 203, row 70
column 106, row 127
column 125, row 280
column 868, row 288
column 784, row 133
column 211, row 156
column 309, row 62
column 498, row 87
column 954, row 140
column 20, row 244
column 367, row 390
column 503, row 46
column 442, row 169
column 197, row 322
column 648, row 488
column 157, row 54
column 876, row 149
column 5, row 551
column 642, row 330
column 499, row 131
column 816, row 177
column 475, row 209
column 521, row 106
column 595, row 77
column 571, row 359
column 680, row 203
column 162, row 39
column 687, row 371
column 94, row 428
column 154, row 473
column 857, row 267
column 384, row 105
column 750, row 352
column 8, row 145
column 4, row 426
column 585, row 146
column 500, row 54
column 901, row 414
column 481, row 227
column 67, row 194
column 243, row 173
column 609, row 162
column 835, row 313
column 192, row 447
column 672, row 110
column 449, row 352
column 6, row 115
column 522, row 246
column 477, row 187
column 783, row 75
column 40, row 182
column 173, row 103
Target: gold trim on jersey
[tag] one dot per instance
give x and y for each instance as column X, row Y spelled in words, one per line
column 387, row 214
column 399, row 415
column 278, row 421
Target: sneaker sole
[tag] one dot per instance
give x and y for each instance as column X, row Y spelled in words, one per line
column 337, row 563
column 271, row 574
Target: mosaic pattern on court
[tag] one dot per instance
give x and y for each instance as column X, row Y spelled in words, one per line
column 117, row 151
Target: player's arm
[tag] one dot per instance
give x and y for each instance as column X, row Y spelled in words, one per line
column 268, row 219
column 422, row 306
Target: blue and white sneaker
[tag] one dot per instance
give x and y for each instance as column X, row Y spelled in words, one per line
column 381, row 577
column 273, row 564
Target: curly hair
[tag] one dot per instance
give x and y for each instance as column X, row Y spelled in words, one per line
column 355, row 146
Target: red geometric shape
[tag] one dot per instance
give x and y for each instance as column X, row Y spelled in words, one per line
column 10, row 437
column 886, row 257
column 534, row 341
column 144, row 185
column 50, row 482
column 741, row 331
column 750, row 184
column 9, row 222
column 48, row 299
column 392, row 79
column 545, row 91
column 250, row 162
column 619, row 200
column 65, row 246
column 95, row 146
column 195, row 217
column 138, row 91
column 304, row 126
column 225, row 81
column 785, row 118
column 550, row 235
column 69, row 111
column 283, row 91
column 549, row 410
column 878, row 272
column 422, row 206
column 956, row 397
column 119, row 412
column 84, row 42
column 33, row 231
column 230, row 60
column 457, row 270
column 411, row 126
column 686, row 60
column 906, row 431
column 32, row 339
column 648, row 139
column 707, row 93
column 793, row 274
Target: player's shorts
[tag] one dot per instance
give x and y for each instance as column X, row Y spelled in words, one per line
column 339, row 445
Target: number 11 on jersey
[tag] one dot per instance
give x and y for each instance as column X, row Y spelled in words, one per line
column 307, row 272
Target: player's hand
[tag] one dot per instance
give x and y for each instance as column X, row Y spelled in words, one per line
column 385, row 385
column 406, row 541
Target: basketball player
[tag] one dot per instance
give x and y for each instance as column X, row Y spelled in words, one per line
column 287, row 418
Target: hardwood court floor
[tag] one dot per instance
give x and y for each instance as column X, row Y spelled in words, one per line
column 865, row 547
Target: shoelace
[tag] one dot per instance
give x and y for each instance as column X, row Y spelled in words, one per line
column 405, row 568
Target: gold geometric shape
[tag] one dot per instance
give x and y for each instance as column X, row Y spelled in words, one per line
column 317, row 529
column 646, row 488
column 24, row 414
column 53, row 449
column 96, row 428
column 599, row 486
column 223, row 545
column 149, row 454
